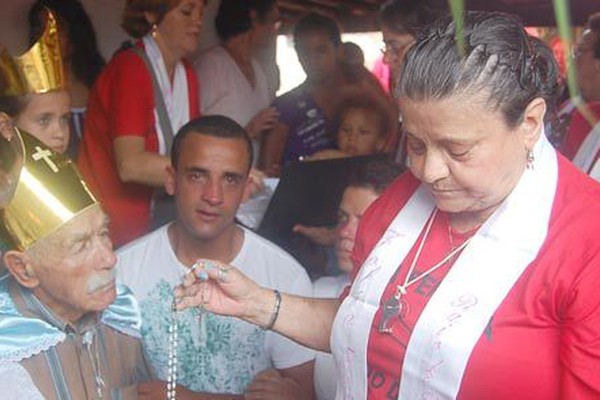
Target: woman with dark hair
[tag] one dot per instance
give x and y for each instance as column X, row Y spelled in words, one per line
column 233, row 81
column 476, row 272
column 79, row 49
column 144, row 95
column 400, row 22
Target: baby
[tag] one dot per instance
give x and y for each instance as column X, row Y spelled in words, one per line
column 362, row 130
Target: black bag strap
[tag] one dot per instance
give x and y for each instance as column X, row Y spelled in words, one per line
column 159, row 101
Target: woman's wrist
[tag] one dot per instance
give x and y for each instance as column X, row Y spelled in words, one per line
column 263, row 307
column 275, row 312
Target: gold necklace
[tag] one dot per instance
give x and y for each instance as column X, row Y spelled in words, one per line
column 396, row 305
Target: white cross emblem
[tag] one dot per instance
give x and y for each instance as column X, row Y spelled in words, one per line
column 44, row 155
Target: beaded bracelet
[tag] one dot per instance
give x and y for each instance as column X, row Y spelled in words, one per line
column 275, row 313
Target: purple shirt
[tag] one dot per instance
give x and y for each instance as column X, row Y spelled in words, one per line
column 307, row 123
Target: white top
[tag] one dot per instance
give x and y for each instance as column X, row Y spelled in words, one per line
column 327, row 287
column 225, row 90
column 225, row 354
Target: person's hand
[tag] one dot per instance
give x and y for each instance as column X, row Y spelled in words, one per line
column 153, row 390
column 328, row 154
column 157, row 390
column 270, row 385
column 256, row 183
column 263, row 121
column 274, row 170
column 222, row 289
column 318, row 234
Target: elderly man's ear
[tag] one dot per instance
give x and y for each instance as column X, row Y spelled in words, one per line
column 19, row 265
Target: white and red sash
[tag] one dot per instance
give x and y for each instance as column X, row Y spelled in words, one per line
column 586, row 158
column 460, row 309
column 175, row 94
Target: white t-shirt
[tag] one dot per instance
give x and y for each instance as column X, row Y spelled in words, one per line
column 325, row 369
column 225, row 354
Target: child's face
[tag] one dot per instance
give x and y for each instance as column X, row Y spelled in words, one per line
column 360, row 133
column 47, row 116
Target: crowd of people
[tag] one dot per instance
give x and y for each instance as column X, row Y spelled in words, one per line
column 464, row 257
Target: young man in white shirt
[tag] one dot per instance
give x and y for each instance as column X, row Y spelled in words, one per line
column 217, row 355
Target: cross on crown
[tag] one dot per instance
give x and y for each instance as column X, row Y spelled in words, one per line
column 45, row 155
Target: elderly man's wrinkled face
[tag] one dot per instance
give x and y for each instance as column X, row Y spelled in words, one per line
column 466, row 154
column 75, row 266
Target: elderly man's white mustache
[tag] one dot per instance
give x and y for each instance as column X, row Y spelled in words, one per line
column 100, row 281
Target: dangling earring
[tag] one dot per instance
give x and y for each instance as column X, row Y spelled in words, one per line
column 154, row 31
column 7, row 126
column 530, row 159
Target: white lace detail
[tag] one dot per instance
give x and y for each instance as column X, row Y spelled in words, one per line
column 43, row 344
column 16, row 383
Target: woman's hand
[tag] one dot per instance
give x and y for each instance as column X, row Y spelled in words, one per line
column 223, row 289
column 263, row 121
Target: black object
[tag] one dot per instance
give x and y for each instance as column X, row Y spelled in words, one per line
column 308, row 193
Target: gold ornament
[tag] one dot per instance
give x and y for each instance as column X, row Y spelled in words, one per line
column 49, row 191
column 39, row 69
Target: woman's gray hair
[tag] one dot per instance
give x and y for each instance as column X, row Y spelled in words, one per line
column 499, row 59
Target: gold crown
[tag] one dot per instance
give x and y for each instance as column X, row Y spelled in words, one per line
column 47, row 190
column 39, row 70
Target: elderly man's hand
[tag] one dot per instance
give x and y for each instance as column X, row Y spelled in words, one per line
column 157, row 390
column 154, row 390
column 270, row 385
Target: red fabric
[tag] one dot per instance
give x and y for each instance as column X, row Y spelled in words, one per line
column 543, row 342
column 578, row 130
column 122, row 104
column 382, row 72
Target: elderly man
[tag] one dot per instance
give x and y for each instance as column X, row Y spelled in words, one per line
column 217, row 357
column 67, row 331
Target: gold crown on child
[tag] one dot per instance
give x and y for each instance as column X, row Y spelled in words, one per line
column 39, row 70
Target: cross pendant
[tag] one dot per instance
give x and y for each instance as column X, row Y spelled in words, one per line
column 392, row 308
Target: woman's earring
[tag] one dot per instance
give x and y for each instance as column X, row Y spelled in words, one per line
column 530, row 159
column 154, row 30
